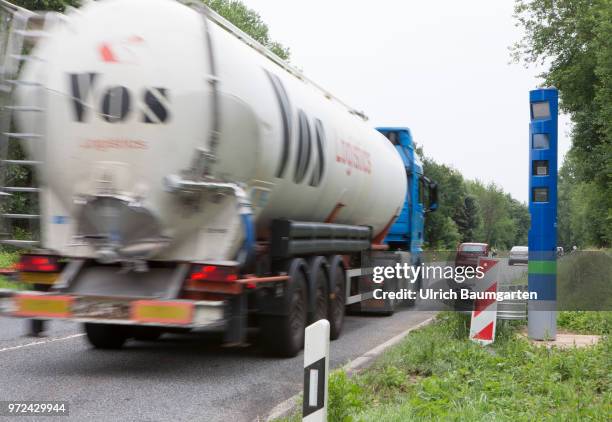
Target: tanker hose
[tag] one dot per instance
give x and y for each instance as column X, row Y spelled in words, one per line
column 244, row 254
column 246, row 217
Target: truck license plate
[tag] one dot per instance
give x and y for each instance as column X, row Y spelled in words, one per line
column 43, row 306
column 162, row 312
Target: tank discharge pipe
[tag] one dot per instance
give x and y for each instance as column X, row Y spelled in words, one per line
column 176, row 184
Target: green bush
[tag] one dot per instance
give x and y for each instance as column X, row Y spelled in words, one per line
column 585, row 322
column 7, row 259
column 345, row 397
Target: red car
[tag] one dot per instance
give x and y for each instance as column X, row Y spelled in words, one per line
column 468, row 253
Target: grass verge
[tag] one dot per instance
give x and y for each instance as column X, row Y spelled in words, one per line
column 437, row 374
column 585, row 322
column 7, row 259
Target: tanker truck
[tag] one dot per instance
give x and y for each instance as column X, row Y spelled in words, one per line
column 190, row 180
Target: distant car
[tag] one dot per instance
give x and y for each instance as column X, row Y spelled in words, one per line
column 468, row 254
column 518, row 255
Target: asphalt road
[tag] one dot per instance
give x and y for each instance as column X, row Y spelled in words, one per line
column 178, row 378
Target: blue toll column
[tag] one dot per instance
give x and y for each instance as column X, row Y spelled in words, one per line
column 544, row 108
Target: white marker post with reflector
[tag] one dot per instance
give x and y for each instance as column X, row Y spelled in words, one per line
column 316, row 370
column 484, row 315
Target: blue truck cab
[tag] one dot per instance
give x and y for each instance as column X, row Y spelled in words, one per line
column 422, row 197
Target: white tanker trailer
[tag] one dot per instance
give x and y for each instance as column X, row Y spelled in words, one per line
column 188, row 178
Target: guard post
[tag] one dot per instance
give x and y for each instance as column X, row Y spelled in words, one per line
column 316, row 371
column 544, row 106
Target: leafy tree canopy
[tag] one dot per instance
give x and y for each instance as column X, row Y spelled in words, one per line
column 573, row 39
column 470, row 211
column 250, row 22
column 56, row 5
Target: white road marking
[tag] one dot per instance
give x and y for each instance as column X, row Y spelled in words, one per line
column 38, row 343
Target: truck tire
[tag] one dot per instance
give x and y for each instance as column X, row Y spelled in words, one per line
column 105, row 336
column 144, row 333
column 283, row 335
column 37, row 327
column 337, row 297
column 319, row 290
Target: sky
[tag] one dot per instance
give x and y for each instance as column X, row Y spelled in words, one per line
column 441, row 68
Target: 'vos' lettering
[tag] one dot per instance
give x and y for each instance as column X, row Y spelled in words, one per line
column 115, row 103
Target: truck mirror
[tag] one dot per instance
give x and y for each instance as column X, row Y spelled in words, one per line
column 433, row 196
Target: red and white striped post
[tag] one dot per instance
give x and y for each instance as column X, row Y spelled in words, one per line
column 484, row 315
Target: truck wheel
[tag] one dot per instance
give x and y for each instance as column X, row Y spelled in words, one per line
column 283, row 335
column 37, row 327
column 319, row 291
column 337, row 297
column 143, row 333
column 105, row 336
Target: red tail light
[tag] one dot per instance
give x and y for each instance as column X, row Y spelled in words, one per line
column 213, row 273
column 38, row 264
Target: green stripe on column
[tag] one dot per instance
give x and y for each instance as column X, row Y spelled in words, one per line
column 542, row 267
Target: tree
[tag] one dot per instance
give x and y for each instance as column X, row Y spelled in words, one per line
column 566, row 181
column 521, row 219
column 439, row 232
column 250, row 22
column 472, row 218
column 449, row 237
column 36, row 5
column 574, row 37
column 472, row 212
column 498, row 226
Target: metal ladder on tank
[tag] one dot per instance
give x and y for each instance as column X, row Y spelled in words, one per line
column 25, row 28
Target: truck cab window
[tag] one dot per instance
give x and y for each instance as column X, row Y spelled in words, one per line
column 421, row 190
column 392, row 136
